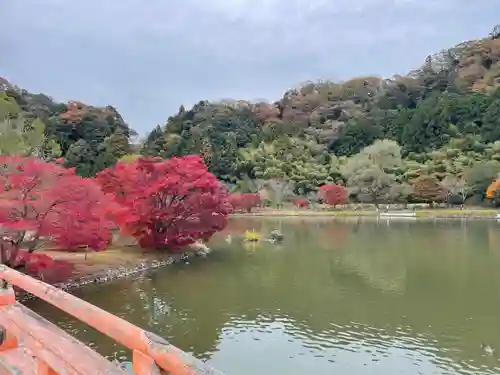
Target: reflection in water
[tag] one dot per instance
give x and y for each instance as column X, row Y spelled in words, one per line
column 336, row 297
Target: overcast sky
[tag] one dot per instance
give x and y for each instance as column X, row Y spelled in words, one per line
column 146, row 57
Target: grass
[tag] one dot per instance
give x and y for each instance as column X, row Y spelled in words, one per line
column 94, row 262
column 455, row 212
column 437, row 212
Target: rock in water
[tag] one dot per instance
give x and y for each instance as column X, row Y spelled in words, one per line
column 200, row 249
column 276, row 235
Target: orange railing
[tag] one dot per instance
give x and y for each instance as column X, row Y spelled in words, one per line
column 29, row 344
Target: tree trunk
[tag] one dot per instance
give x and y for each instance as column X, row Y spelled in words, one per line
column 10, row 260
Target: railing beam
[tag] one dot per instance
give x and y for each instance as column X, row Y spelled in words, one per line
column 51, row 346
column 7, row 297
column 166, row 356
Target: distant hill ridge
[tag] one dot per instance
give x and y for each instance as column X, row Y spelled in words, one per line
column 445, row 117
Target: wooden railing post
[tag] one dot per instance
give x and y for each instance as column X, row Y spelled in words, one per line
column 7, row 297
column 144, row 364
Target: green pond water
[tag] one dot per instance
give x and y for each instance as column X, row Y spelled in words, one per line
column 336, row 297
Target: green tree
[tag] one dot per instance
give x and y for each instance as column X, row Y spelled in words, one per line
column 118, row 143
column 356, row 135
column 81, row 157
column 490, row 129
column 303, row 163
column 428, row 127
column 18, row 136
column 155, row 144
column 8, row 107
column 369, row 173
column 400, row 192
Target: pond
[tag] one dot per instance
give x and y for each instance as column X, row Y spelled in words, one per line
column 336, row 297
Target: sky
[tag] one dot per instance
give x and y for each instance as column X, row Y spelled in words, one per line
column 147, row 57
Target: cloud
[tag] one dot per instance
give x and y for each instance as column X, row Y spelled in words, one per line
column 147, row 58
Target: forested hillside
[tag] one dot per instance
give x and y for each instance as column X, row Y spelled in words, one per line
column 88, row 138
column 376, row 136
column 441, row 120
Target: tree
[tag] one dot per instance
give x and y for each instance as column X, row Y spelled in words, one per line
column 355, row 136
column 490, row 129
column 81, row 157
column 385, row 154
column 399, row 193
column 333, row 194
column 301, row 203
column 429, row 190
column 19, row 136
column 493, row 192
column 167, row 203
column 456, row 188
column 43, row 202
column 11, row 140
column 369, row 173
column 494, row 186
column 155, row 144
column 118, row 143
column 278, row 190
column 244, row 202
column 480, row 176
column 427, row 127
column 8, row 106
column 304, row 163
column 495, row 33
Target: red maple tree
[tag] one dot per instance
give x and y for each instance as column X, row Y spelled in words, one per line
column 333, row 194
column 167, row 203
column 43, row 202
column 244, row 202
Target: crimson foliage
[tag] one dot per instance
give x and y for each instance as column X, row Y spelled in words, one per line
column 333, row 194
column 244, row 202
column 167, row 203
column 301, row 203
column 43, row 202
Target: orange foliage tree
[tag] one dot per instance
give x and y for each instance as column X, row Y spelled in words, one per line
column 493, row 189
column 429, row 190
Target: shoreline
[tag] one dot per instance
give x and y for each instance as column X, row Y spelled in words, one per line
column 111, row 265
column 438, row 213
column 126, row 260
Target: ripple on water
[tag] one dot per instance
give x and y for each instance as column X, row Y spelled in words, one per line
column 347, row 317
column 349, row 346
